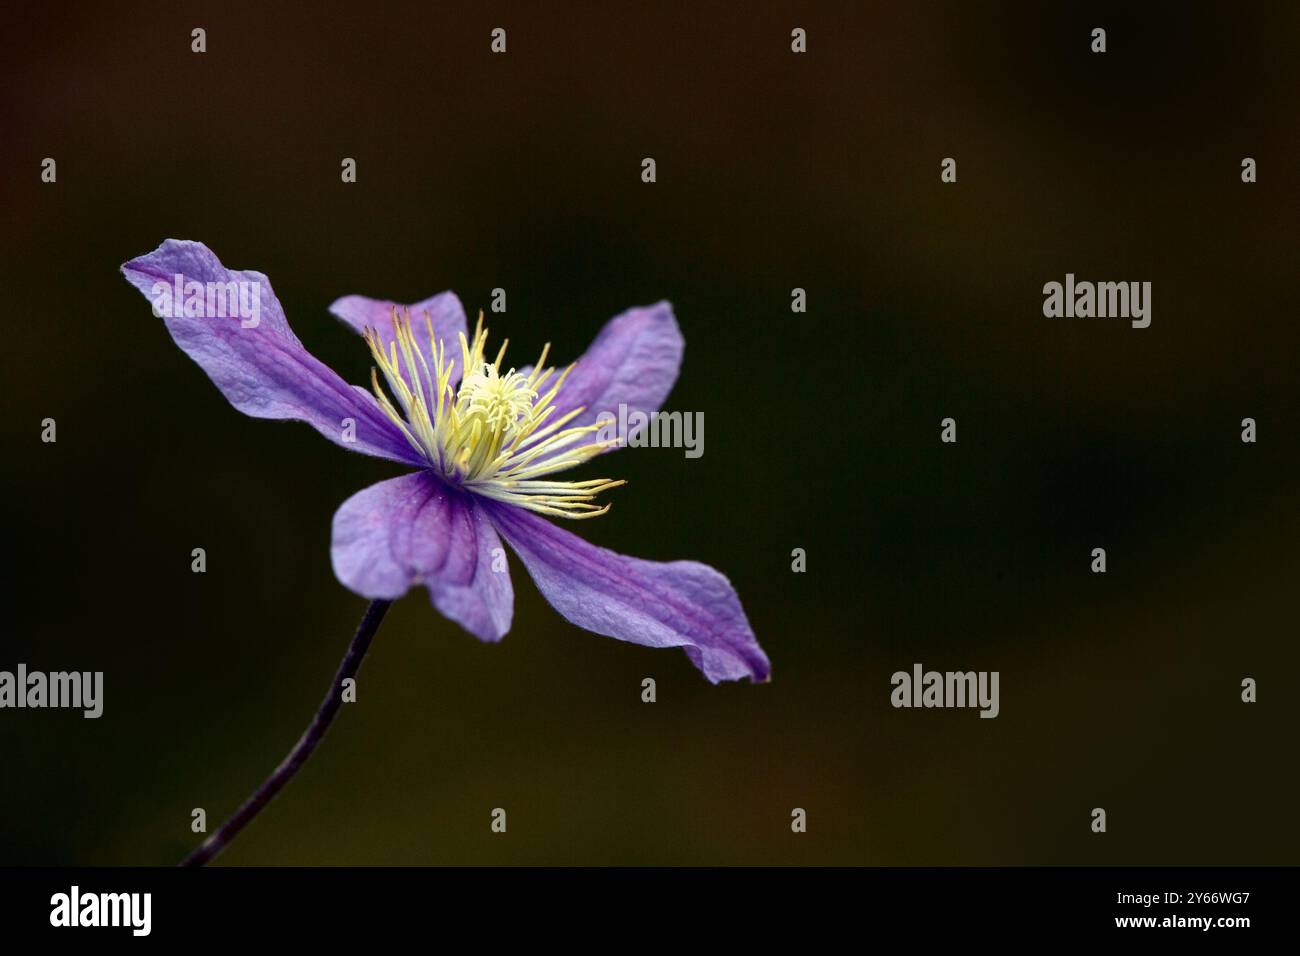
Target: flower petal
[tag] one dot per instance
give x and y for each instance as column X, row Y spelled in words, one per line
column 263, row 370
column 633, row 361
column 415, row 530
column 444, row 310
column 659, row 604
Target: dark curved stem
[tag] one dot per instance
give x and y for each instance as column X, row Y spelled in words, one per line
column 312, row 736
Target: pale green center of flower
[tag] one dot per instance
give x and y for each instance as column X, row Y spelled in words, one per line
column 501, row 401
column 493, row 434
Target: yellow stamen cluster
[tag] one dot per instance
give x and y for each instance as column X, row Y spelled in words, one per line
column 491, row 435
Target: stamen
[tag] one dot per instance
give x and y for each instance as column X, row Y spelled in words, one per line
column 494, row 434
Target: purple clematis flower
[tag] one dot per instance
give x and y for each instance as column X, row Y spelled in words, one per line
column 488, row 447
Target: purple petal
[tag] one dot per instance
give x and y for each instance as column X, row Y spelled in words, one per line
column 659, row 604
column 415, row 530
column 444, row 310
column 633, row 361
column 263, row 370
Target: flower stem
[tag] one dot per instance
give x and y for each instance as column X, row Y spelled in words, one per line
column 312, row 736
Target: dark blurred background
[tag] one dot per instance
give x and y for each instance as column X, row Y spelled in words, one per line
column 775, row 170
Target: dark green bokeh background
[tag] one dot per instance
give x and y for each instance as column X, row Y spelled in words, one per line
column 775, row 171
